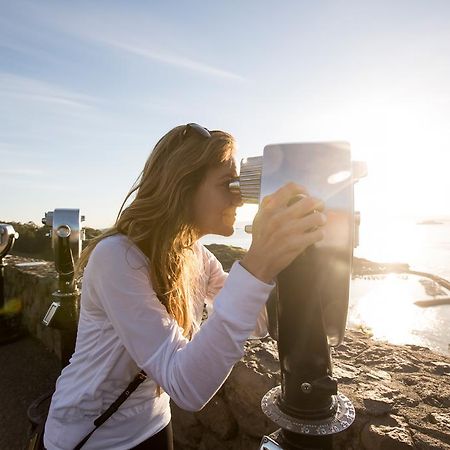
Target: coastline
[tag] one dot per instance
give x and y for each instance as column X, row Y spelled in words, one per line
column 227, row 254
column 363, row 267
column 376, row 283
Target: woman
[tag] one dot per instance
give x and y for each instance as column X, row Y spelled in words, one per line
column 145, row 284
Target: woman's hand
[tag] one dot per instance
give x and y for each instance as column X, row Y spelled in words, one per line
column 282, row 229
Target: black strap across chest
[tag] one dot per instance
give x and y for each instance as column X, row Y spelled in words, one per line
column 137, row 380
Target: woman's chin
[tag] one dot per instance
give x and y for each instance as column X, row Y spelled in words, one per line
column 229, row 232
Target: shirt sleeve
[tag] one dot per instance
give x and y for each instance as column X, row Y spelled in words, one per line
column 189, row 371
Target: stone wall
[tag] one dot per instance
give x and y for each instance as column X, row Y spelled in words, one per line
column 401, row 393
column 32, row 282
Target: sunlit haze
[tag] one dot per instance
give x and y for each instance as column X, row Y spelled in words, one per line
column 87, row 88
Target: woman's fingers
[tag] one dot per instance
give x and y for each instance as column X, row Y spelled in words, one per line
column 302, row 207
column 291, row 200
column 306, row 223
column 287, row 222
column 288, row 216
column 282, row 196
column 303, row 242
column 298, row 234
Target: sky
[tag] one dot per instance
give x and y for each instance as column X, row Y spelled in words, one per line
column 87, row 89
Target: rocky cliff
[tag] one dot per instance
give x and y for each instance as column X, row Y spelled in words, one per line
column 401, row 393
column 401, row 396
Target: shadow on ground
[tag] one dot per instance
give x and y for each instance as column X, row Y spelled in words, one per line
column 27, row 370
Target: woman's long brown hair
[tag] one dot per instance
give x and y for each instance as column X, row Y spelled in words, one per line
column 159, row 218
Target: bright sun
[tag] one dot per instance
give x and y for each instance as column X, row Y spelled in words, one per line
column 405, row 147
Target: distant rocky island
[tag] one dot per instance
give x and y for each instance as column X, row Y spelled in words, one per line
column 430, row 222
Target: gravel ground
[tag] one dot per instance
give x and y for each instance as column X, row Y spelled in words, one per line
column 27, row 370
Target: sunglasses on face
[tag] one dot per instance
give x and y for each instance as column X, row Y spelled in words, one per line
column 196, row 129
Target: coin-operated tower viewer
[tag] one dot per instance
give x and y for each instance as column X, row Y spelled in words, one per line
column 308, row 312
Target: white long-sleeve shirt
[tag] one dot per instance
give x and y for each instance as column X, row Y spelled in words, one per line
column 123, row 328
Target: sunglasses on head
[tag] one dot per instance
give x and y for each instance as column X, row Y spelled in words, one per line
column 195, row 128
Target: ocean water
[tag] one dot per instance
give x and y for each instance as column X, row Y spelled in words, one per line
column 385, row 305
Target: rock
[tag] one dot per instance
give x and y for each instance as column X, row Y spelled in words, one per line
column 384, row 437
column 351, row 348
column 440, row 367
column 376, row 403
column 262, row 355
column 378, row 375
column 441, row 419
column 417, row 348
column 403, row 400
column 436, row 398
column 210, row 442
column 187, row 430
column 424, row 425
column 226, row 254
column 217, row 417
column 410, row 381
column 425, row 442
column 246, row 386
column 245, row 442
column 345, row 373
column 402, row 366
